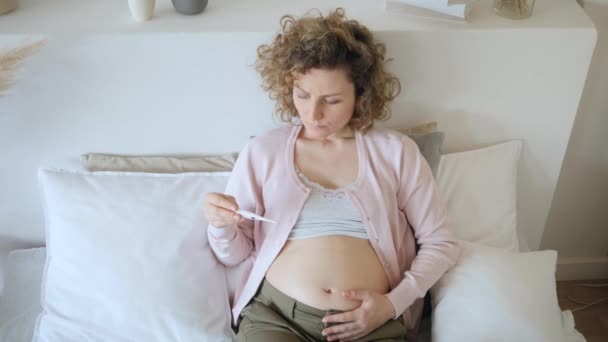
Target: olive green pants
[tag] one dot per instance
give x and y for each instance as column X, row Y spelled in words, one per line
column 273, row 316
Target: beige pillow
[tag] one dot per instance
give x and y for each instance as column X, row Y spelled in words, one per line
column 178, row 164
column 425, row 128
column 158, row 164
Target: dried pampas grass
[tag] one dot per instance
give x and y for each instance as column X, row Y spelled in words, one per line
column 10, row 60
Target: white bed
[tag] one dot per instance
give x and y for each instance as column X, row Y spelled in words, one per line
column 494, row 292
column 19, row 313
column 20, row 307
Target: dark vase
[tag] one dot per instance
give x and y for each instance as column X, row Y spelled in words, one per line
column 189, row 7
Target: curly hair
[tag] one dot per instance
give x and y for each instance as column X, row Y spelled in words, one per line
column 318, row 42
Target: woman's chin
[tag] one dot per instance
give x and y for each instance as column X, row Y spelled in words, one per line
column 317, row 132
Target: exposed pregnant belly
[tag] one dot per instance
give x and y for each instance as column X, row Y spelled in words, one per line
column 314, row 271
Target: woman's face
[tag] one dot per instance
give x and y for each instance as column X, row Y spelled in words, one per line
column 325, row 101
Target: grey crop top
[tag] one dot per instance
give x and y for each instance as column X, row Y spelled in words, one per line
column 327, row 212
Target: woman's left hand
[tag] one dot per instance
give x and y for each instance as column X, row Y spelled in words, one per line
column 374, row 311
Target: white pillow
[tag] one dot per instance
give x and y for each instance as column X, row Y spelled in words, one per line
column 20, row 302
column 128, row 259
column 479, row 188
column 496, row 295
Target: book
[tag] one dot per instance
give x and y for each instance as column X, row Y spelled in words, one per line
column 441, row 9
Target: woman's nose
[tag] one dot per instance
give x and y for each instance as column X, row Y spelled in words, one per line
column 317, row 112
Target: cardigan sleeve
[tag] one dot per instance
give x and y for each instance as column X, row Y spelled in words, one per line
column 233, row 244
column 426, row 212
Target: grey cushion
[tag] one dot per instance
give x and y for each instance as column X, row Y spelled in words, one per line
column 430, row 146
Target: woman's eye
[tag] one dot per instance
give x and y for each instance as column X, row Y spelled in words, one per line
column 332, row 101
column 301, row 96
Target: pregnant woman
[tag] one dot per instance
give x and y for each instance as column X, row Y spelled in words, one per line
column 350, row 201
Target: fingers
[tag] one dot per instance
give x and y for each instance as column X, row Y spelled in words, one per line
column 224, row 217
column 343, row 331
column 348, row 316
column 357, row 323
column 223, row 201
column 218, row 209
column 359, row 294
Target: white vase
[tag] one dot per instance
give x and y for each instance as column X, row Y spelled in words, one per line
column 142, row 10
column 7, row 6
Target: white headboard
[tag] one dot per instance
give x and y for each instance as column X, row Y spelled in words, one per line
column 177, row 84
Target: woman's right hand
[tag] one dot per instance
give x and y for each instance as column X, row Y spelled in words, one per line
column 219, row 210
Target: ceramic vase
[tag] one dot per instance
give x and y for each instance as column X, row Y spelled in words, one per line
column 142, row 10
column 189, row 7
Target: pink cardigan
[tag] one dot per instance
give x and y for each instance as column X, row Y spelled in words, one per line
column 395, row 193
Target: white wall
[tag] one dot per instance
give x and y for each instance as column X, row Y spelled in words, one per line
column 115, row 86
column 577, row 225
